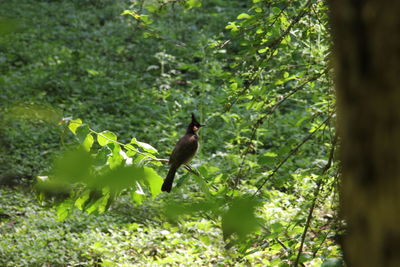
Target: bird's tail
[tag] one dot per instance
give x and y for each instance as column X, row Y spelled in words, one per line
column 167, row 185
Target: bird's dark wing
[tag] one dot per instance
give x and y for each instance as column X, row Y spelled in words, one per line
column 184, row 150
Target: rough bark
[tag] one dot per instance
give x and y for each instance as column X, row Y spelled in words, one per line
column 366, row 36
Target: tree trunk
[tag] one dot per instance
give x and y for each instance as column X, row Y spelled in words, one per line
column 366, row 36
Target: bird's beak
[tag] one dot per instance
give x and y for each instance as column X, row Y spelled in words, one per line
column 201, row 125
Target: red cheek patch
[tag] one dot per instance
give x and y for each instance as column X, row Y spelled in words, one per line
column 195, row 128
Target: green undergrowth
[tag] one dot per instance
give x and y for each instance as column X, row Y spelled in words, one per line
column 142, row 235
column 124, row 236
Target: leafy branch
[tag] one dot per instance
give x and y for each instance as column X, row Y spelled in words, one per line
column 291, row 153
column 272, row 46
column 269, row 112
column 314, row 201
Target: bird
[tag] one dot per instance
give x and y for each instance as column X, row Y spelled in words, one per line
column 183, row 152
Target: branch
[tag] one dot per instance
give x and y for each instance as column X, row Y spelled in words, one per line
column 273, row 46
column 316, row 194
column 291, row 153
column 261, row 120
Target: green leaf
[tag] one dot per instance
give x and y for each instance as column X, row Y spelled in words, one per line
column 138, row 195
column 88, row 142
column 73, row 166
column 81, row 132
column 232, row 26
column 100, row 204
column 276, row 10
column 243, row 16
column 146, row 147
column 101, row 157
column 63, row 210
column 193, row 3
column 258, row 10
column 117, row 179
column 106, row 137
column 146, row 20
column 132, row 13
column 151, row 8
column 115, row 159
column 74, row 124
column 152, row 180
column 240, row 218
column 267, row 158
column 82, row 199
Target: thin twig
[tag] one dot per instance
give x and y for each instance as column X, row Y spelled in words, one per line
column 260, row 121
column 272, row 47
column 291, row 153
column 316, row 195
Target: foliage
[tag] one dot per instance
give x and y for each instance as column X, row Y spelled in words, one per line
column 256, row 72
column 122, row 236
column 92, row 178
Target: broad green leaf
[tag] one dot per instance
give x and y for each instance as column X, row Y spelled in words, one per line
column 146, row 147
column 73, row 166
column 88, row 142
column 115, row 159
column 132, row 13
column 151, row 8
column 63, row 210
column 243, row 16
column 102, row 203
column 130, row 150
column 270, row 154
column 81, row 132
column 276, row 10
column 117, row 179
column 240, row 218
column 99, row 205
column 102, row 156
column 152, row 180
column 146, row 20
column 82, row 199
column 137, row 197
column 106, row 137
column 233, row 86
column 74, row 124
column 232, row 26
column 193, row 3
